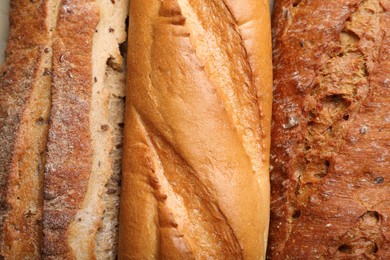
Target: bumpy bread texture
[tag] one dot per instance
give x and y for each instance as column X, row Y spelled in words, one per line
column 81, row 180
column 331, row 130
column 24, row 109
column 195, row 181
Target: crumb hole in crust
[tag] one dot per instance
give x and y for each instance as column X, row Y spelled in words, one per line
column 311, row 124
column 344, row 248
column 335, row 98
column 325, row 170
column 296, row 3
column 374, row 248
column 296, row 214
column 327, row 164
column 335, row 105
column 346, row 117
column 40, row 121
column 370, row 218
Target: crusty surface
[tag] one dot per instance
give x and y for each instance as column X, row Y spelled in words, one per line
column 69, row 156
column 94, row 232
column 195, row 178
column 331, row 130
column 85, row 138
column 24, row 108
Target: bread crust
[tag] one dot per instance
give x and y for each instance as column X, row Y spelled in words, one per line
column 195, row 133
column 70, row 150
column 331, row 130
column 25, row 80
column 82, row 170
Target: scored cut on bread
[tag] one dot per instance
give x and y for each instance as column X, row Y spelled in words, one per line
column 195, row 178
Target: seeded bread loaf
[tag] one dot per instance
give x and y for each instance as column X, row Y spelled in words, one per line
column 330, row 151
column 195, row 181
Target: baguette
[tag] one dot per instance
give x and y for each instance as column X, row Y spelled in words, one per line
column 331, row 130
column 25, row 80
column 81, row 190
column 195, row 167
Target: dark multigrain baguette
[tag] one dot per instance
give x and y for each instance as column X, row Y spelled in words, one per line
column 195, row 173
column 330, row 151
column 63, row 59
column 25, row 80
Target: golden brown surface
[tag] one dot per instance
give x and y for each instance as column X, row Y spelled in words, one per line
column 195, row 172
column 24, row 109
column 331, row 130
